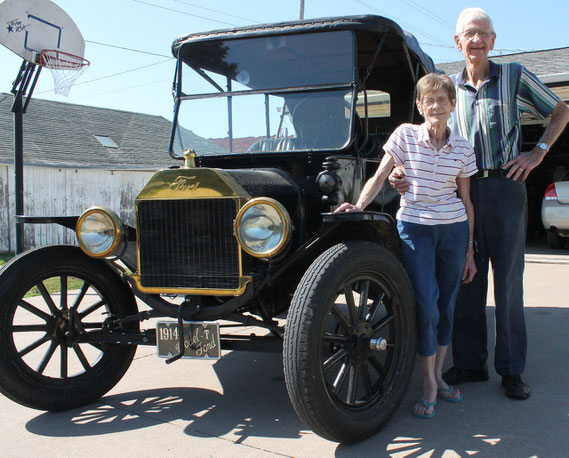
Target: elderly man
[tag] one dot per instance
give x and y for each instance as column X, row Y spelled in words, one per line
column 490, row 101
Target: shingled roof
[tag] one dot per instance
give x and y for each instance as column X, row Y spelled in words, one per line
column 65, row 135
column 542, row 63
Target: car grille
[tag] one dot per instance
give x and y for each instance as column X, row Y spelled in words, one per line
column 188, row 244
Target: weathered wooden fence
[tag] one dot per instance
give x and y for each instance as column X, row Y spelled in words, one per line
column 55, row 191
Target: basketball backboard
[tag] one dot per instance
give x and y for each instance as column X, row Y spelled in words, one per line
column 29, row 26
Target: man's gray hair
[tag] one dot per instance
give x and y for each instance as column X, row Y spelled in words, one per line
column 472, row 13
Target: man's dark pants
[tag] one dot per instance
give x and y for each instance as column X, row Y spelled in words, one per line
column 500, row 206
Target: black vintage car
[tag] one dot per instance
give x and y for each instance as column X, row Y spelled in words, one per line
column 276, row 125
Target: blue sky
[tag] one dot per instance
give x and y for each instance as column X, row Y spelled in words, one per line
column 141, row 81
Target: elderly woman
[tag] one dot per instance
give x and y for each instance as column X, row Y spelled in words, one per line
column 435, row 223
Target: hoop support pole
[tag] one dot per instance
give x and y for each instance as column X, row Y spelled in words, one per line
column 19, row 107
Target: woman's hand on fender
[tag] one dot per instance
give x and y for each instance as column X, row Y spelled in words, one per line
column 347, row 207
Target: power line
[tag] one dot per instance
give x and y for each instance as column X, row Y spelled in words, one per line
column 113, row 75
column 128, row 49
column 512, row 51
column 428, row 13
column 496, row 50
column 216, row 11
column 183, row 12
column 120, row 90
column 122, row 73
column 408, row 26
column 433, row 45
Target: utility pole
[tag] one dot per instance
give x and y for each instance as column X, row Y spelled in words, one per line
column 301, row 11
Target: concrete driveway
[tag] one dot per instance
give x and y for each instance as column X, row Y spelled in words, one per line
column 238, row 406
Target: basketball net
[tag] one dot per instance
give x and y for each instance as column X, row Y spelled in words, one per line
column 64, row 67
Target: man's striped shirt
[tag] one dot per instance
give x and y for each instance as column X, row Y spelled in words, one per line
column 490, row 117
column 432, row 196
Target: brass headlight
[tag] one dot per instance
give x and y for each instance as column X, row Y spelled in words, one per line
column 262, row 227
column 100, row 233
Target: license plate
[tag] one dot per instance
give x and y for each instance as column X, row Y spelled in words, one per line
column 201, row 339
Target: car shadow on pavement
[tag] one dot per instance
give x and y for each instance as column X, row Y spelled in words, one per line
column 254, row 403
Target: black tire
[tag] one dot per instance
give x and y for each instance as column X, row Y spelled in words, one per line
column 339, row 387
column 41, row 366
column 555, row 241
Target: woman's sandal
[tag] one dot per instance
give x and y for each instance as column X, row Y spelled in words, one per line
column 447, row 395
column 427, row 405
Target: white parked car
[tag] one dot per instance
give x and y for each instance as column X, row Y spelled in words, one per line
column 555, row 213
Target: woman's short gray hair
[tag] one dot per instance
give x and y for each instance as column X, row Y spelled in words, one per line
column 472, row 13
column 432, row 82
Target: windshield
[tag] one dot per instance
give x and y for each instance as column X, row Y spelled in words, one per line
column 278, row 93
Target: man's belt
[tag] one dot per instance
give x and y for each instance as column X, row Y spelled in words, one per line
column 489, row 173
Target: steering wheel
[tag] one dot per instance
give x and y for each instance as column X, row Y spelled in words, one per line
column 320, row 122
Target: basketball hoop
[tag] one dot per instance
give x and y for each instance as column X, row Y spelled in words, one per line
column 64, row 67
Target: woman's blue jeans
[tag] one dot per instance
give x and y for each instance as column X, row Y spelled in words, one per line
column 434, row 258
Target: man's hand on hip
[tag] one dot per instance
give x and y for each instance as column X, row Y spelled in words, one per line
column 520, row 167
column 398, row 180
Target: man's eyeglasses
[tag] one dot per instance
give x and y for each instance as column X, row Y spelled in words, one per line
column 470, row 34
column 441, row 101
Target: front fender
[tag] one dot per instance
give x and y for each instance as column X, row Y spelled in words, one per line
column 373, row 226
column 336, row 228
